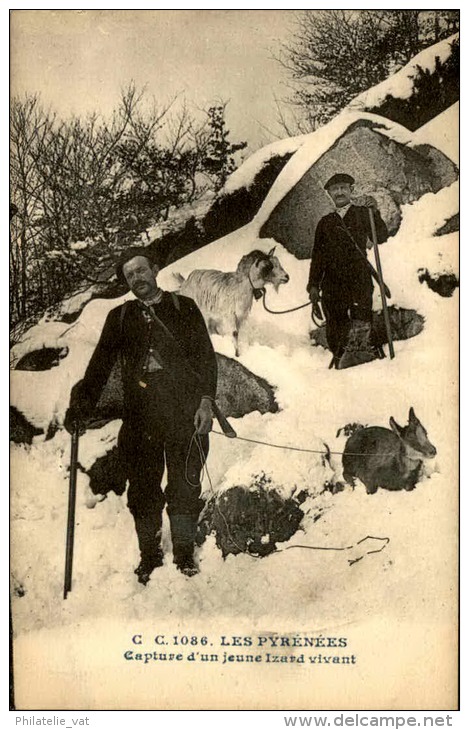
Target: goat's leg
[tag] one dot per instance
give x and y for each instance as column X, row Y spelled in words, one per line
column 212, row 326
column 235, row 335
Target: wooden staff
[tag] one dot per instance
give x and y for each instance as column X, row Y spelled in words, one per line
column 72, row 493
column 382, row 285
column 226, row 427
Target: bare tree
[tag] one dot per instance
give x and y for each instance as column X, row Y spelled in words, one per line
column 29, row 126
column 84, row 188
column 333, row 55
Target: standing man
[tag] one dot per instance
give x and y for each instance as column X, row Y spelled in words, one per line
column 169, row 374
column 339, row 274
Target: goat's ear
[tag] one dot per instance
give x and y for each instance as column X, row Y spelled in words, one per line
column 395, row 427
column 272, row 251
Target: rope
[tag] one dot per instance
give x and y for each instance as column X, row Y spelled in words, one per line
column 203, row 461
column 384, row 540
column 293, row 309
column 195, row 437
column 306, row 451
column 282, row 311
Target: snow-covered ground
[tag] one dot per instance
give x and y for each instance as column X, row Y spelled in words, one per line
column 401, row 85
column 440, row 133
column 409, row 586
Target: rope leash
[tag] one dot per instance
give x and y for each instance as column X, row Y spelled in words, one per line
column 306, row 451
column 293, row 309
column 196, row 438
column 257, row 294
column 282, row 311
column 203, row 461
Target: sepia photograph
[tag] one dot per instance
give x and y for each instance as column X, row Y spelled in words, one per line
column 234, row 360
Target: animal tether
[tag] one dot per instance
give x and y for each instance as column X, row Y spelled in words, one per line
column 384, row 540
column 261, row 292
column 292, row 309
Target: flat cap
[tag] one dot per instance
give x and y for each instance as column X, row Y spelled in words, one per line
column 340, row 177
column 130, row 254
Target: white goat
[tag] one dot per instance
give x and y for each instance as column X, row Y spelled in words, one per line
column 225, row 298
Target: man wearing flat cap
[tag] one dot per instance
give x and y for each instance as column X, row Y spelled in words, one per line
column 339, row 275
column 169, row 377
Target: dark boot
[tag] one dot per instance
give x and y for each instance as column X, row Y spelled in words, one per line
column 183, row 532
column 358, row 348
column 149, row 541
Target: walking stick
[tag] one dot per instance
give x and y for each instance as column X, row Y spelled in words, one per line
column 387, row 322
column 226, row 427
column 72, row 493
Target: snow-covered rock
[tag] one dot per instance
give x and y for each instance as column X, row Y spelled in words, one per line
column 379, row 155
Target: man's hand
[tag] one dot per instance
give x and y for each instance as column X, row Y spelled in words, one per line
column 314, row 297
column 368, row 202
column 203, row 417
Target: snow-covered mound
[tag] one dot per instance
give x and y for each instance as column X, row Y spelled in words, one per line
column 410, row 581
column 403, row 86
column 243, row 177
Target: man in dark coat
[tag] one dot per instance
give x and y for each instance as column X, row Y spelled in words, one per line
column 169, row 375
column 339, row 274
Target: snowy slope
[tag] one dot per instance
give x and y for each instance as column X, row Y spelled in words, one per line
column 440, row 133
column 245, row 174
column 407, row 583
column 401, row 84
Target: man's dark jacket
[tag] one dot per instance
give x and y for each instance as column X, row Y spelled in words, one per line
column 188, row 358
column 336, row 266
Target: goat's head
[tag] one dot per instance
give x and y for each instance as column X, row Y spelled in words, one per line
column 263, row 268
column 270, row 271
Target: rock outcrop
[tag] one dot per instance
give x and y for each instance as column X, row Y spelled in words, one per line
column 393, row 173
column 443, row 284
column 21, row 430
column 239, row 392
column 106, row 474
column 42, row 359
column 405, row 323
column 450, row 226
column 251, row 518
